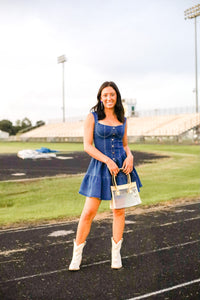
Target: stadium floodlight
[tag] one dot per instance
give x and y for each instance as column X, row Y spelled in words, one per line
column 191, row 13
column 62, row 59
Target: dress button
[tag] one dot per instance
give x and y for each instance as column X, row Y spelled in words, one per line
column 112, row 145
column 113, row 152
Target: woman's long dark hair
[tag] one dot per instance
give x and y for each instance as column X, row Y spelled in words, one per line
column 119, row 109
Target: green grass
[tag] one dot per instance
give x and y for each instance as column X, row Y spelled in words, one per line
column 46, row 199
column 14, row 147
column 57, row 198
column 177, row 177
column 169, row 149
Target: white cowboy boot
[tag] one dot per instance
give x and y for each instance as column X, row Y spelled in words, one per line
column 115, row 255
column 77, row 257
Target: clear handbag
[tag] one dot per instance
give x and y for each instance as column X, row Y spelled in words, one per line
column 125, row 195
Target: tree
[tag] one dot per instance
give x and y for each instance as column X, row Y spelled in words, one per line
column 18, row 123
column 26, row 123
column 39, row 123
column 6, row 125
column 20, row 126
column 17, row 126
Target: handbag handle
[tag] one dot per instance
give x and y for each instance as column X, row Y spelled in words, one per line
column 115, row 183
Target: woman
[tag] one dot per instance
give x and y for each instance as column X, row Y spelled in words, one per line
column 106, row 126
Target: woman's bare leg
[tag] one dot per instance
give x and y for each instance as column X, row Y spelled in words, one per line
column 89, row 212
column 118, row 224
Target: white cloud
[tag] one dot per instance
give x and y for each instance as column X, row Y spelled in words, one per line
column 146, row 47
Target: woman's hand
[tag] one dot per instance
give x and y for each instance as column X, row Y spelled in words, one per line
column 128, row 164
column 112, row 166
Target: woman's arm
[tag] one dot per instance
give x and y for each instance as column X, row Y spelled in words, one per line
column 92, row 150
column 128, row 162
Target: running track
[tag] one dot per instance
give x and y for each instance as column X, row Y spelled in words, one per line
column 161, row 259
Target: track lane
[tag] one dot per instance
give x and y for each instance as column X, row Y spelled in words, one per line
column 160, row 249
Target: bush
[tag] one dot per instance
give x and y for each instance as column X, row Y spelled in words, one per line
column 21, row 126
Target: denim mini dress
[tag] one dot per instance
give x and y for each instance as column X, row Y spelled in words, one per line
column 98, row 180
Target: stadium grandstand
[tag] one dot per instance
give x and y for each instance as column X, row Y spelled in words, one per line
column 174, row 126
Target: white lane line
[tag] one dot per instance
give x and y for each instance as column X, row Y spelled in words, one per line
column 9, row 261
column 34, row 275
column 181, row 221
column 60, row 233
column 67, row 223
column 184, row 210
column 167, row 224
column 3, row 231
column 60, row 224
column 38, row 246
column 163, row 249
column 8, row 252
column 99, row 262
column 130, row 222
column 178, row 286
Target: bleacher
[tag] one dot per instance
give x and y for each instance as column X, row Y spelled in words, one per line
column 57, row 132
column 171, row 125
column 156, row 126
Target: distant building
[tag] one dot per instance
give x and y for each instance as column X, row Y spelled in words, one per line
column 129, row 107
column 4, row 134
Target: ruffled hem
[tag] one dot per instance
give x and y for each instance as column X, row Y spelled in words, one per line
column 135, row 177
column 94, row 186
column 97, row 181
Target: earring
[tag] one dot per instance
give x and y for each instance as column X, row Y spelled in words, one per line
column 102, row 107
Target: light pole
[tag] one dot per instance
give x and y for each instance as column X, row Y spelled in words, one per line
column 62, row 59
column 191, row 13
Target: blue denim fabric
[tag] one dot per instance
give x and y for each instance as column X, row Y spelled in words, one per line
column 97, row 180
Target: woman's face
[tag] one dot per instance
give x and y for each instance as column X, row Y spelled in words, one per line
column 109, row 97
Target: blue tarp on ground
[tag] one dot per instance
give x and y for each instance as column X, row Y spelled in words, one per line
column 46, row 150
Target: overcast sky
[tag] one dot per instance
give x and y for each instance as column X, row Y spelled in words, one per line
column 145, row 46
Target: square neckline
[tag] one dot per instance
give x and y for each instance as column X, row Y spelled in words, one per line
column 110, row 125
column 97, row 121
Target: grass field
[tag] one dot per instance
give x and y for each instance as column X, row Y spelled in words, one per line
column 57, row 198
column 14, row 147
